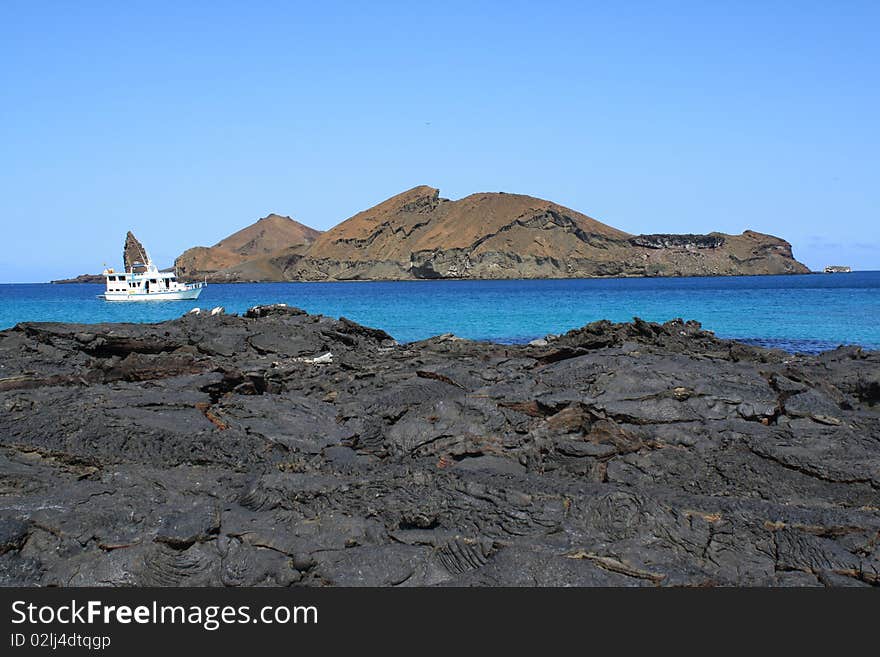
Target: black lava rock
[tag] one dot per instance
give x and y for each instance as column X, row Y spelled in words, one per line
column 281, row 448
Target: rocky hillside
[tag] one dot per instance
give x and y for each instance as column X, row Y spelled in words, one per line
column 419, row 235
column 247, row 254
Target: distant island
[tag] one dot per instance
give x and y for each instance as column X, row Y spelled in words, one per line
column 419, row 235
column 82, row 278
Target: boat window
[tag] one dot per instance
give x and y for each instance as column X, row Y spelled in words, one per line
column 112, row 278
column 122, row 278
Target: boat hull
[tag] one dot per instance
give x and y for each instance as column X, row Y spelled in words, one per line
column 171, row 295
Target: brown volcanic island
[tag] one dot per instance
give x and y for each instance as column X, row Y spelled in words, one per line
column 248, row 254
column 418, row 235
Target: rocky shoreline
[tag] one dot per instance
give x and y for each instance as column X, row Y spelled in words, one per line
column 281, row 448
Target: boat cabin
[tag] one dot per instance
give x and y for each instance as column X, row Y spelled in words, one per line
column 140, row 283
column 147, row 282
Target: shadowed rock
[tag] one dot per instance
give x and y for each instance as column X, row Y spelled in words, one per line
column 134, row 253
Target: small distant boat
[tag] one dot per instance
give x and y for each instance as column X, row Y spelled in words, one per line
column 837, row 269
column 141, row 280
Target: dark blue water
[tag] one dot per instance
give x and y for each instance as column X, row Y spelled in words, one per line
column 798, row 313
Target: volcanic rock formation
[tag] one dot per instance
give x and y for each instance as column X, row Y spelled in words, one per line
column 247, row 255
column 281, row 448
column 134, row 253
column 83, row 278
column 418, row 235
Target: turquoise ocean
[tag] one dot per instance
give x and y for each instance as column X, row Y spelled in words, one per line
column 808, row 313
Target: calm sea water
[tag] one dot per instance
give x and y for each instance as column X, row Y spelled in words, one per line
column 798, row 313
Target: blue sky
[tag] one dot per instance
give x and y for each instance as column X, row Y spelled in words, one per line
column 186, row 121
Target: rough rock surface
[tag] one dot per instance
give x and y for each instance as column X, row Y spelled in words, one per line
column 216, row 450
column 247, row 254
column 134, row 253
column 417, row 234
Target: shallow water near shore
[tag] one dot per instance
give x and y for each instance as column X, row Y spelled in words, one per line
column 807, row 313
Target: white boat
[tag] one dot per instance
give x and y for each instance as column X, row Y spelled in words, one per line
column 142, row 281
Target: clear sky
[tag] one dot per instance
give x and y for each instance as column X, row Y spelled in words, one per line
column 185, row 121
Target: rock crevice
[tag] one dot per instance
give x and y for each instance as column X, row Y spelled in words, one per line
column 224, row 450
